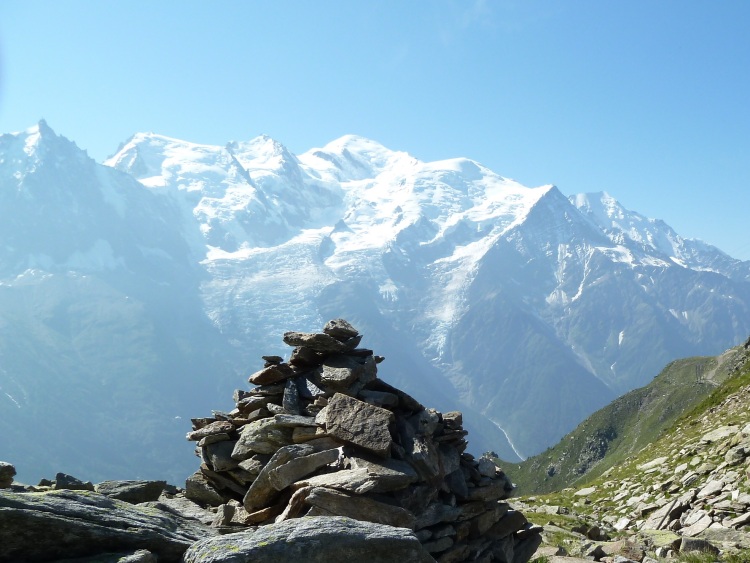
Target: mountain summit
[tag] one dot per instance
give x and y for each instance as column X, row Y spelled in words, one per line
column 520, row 300
column 568, row 295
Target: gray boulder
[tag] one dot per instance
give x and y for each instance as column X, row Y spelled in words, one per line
column 198, row 489
column 335, row 539
column 131, row 491
column 70, row 483
column 340, row 329
column 700, row 545
column 359, row 423
column 322, row 343
column 66, row 524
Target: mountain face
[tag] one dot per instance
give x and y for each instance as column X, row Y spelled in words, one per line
column 100, row 314
column 163, row 275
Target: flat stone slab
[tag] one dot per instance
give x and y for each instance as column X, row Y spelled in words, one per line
column 218, row 427
column 295, row 469
column 263, row 436
column 711, row 488
column 740, row 520
column 360, row 508
column 271, row 374
column 390, row 474
column 359, row 423
column 719, row 434
column 498, row 489
column 357, row 481
column 695, row 529
column 340, row 372
column 585, row 492
column 319, row 342
column 262, row 492
column 334, row 539
column 133, row 492
column 651, row 464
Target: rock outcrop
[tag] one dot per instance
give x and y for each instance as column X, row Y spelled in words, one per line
column 333, row 539
column 61, row 524
column 689, row 491
column 322, row 435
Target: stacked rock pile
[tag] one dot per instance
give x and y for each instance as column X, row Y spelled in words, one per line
column 322, row 435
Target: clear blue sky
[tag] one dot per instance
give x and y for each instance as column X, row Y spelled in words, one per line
column 649, row 101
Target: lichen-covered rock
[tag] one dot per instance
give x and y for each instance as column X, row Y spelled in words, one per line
column 65, row 524
column 334, row 539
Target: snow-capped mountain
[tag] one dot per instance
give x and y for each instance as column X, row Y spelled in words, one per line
column 484, row 295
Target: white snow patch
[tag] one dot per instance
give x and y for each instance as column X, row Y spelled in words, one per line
column 388, row 290
column 679, row 315
column 32, row 138
column 618, row 254
column 678, row 261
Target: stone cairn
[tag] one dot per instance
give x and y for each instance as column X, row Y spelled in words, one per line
column 321, row 434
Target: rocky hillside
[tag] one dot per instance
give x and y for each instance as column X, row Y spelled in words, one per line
column 687, row 491
column 626, row 425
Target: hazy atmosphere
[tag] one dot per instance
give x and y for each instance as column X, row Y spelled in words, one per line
column 644, row 100
column 417, row 281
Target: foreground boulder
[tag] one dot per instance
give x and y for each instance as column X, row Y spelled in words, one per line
column 333, row 539
column 62, row 524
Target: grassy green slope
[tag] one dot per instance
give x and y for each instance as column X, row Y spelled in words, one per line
column 681, row 462
column 625, row 426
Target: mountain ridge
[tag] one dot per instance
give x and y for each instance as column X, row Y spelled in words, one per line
column 220, row 244
column 411, row 208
